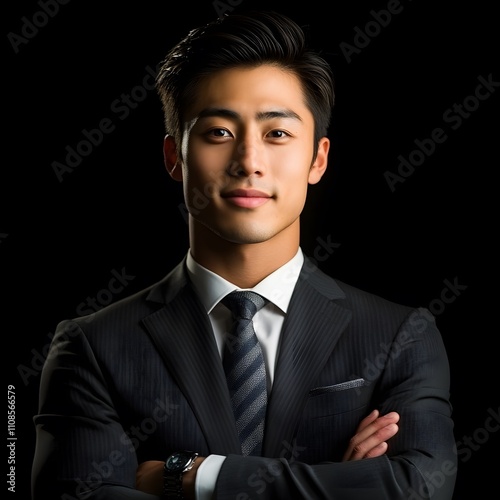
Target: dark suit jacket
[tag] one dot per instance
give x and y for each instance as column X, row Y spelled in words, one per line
column 142, row 378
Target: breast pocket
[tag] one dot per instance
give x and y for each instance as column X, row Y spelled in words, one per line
column 330, row 418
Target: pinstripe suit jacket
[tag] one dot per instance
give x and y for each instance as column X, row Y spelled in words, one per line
column 142, row 378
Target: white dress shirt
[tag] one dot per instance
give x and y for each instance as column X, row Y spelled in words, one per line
column 277, row 288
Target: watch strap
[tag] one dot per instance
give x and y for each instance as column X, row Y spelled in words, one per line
column 172, row 486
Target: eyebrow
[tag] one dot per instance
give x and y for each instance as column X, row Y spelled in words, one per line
column 261, row 115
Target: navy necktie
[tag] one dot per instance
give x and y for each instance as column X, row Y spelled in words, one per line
column 245, row 370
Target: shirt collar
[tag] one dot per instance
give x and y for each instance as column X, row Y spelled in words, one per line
column 277, row 287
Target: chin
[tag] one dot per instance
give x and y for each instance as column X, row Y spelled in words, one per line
column 246, row 235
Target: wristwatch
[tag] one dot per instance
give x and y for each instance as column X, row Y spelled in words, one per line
column 175, row 465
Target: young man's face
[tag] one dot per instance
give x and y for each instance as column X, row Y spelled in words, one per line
column 247, row 154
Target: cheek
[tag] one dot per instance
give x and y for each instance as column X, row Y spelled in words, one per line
column 292, row 194
column 204, row 174
column 297, row 154
column 292, row 170
column 206, row 161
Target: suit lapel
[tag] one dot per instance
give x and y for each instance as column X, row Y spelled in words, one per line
column 183, row 335
column 311, row 329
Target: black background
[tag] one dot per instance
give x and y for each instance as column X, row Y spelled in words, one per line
column 60, row 239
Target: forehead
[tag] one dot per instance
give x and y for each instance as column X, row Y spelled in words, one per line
column 249, row 90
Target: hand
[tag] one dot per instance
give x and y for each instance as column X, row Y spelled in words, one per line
column 149, row 478
column 371, row 436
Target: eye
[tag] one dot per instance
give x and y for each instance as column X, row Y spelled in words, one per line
column 278, row 134
column 219, row 132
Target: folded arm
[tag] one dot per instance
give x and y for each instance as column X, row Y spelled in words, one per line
column 404, row 450
column 419, row 462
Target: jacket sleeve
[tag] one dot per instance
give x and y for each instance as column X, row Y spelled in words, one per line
column 82, row 451
column 421, row 461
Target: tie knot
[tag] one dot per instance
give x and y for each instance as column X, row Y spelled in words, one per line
column 244, row 304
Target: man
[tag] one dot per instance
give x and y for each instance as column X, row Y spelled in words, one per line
column 136, row 401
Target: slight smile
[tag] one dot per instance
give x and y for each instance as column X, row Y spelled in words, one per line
column 246, row 198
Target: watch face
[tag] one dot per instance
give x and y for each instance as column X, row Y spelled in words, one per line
column 177, row 461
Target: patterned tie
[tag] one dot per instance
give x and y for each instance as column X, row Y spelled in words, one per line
column 245, row 371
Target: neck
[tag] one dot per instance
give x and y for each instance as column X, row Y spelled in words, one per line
column 243, row 264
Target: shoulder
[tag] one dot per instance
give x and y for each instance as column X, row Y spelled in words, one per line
column 143, row 302
column 375, row 316
column 360, row 302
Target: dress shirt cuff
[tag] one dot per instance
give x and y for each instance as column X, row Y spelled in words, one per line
column 206, row 476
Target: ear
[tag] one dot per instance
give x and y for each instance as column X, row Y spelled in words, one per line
column 171, row 159
column 320, row 162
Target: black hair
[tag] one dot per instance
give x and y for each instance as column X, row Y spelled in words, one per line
column 248, row 40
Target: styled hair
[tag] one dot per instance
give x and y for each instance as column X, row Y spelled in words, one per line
column 244, row 40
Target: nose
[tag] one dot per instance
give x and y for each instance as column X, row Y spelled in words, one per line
column 247, row 160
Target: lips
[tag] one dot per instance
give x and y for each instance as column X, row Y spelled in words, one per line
column 247, row 198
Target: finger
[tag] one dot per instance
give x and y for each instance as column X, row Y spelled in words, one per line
column 363, row 448
column 389, row 418
column 368, row 426
column 365, row 431
column 371, row 417
column 377, row 451
column 362, row 444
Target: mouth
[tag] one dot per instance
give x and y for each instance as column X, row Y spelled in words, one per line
column 247, row 198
